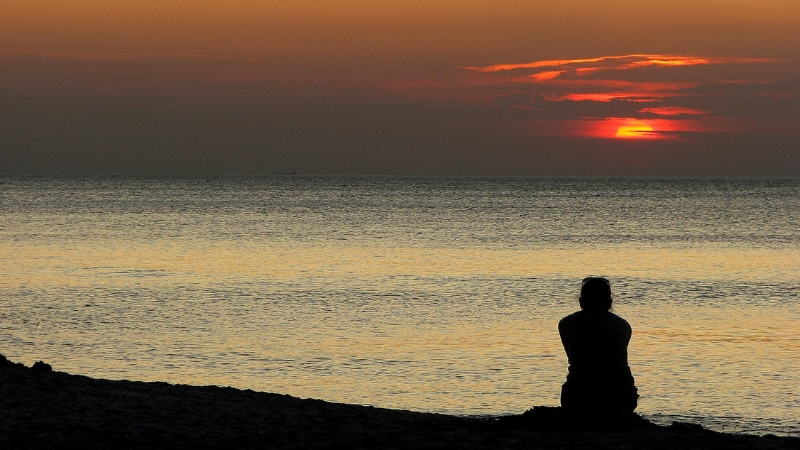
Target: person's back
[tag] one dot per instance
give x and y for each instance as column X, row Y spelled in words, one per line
column 596, row 343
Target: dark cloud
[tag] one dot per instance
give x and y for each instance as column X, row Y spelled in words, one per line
column 176, row 114
column 710, row 95
column 536, row 107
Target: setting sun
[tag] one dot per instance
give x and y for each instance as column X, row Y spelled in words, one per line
column 635, row 129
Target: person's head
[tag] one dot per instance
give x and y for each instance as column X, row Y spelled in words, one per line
column 595, row 294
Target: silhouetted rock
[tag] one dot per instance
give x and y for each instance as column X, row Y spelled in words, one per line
column 561, row 419
column 49, row 409
column 41, row 366
column 685, row 427
column 6, row 364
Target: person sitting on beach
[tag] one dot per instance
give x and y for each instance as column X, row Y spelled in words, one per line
column 596, row 342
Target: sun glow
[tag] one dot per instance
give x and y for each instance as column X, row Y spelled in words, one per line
column 635, row 129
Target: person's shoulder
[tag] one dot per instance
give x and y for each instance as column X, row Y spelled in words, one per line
column 572, row 318
column 617, row 318
column 619, row 321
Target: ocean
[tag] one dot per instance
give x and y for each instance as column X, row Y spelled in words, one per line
column 429, row 294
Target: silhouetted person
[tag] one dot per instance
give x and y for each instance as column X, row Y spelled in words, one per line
column 596, row 342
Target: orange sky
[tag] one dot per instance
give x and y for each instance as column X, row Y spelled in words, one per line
column 382, row 30
column 405, row 87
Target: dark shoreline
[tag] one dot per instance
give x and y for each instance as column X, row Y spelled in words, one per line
column 41, row 408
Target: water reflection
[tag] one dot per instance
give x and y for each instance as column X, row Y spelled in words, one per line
column 368, row 295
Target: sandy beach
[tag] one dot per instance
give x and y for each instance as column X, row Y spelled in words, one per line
column 44, row 408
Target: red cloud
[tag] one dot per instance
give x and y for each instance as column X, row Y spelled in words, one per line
column 598, row 95
column 674, row 111
column 609, row 62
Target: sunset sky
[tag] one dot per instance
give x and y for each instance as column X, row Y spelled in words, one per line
column 401, row 87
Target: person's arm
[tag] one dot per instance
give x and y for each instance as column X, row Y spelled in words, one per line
column 563, row 332
column 628, row 332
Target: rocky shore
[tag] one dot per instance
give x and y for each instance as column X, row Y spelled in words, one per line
column 41, row 408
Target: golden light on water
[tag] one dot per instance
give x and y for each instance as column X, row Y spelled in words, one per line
column 67, row 266
column 403, row 352
column 456, row 312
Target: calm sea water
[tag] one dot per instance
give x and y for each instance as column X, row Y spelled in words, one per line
column 430, row 294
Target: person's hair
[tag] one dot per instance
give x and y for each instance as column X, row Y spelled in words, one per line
column 595, row 294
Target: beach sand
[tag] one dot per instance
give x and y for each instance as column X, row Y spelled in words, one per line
column 42, row 408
